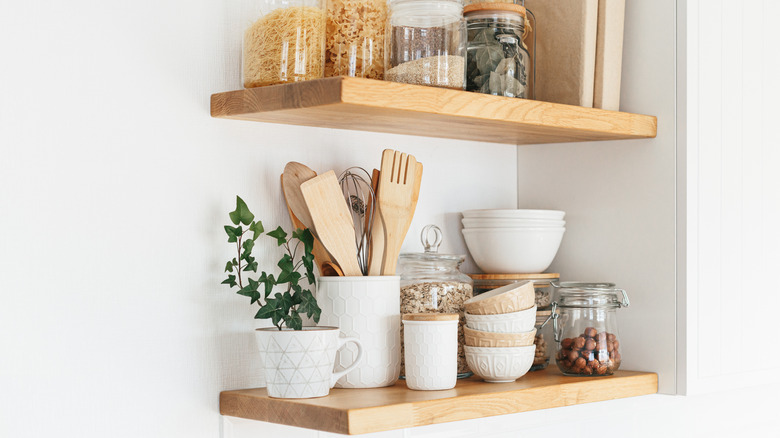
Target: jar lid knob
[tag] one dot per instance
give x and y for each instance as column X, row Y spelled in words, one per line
column 431, row 246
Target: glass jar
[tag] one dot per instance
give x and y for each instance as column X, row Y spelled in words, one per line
column 586, row 329
column 497, row 59
column 543, row 331
column 284, row 42
column 355, row 38
column 432, row 282
column 426, row 42
column 542, row 284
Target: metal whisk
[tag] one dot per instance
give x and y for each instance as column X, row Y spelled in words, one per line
column 356, row 186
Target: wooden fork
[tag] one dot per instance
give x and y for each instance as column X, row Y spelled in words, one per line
column 397, row 178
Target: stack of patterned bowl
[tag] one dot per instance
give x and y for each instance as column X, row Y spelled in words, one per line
column 500, row 332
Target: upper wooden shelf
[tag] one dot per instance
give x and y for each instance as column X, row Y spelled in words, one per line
column 382, row 106
column 357, row 411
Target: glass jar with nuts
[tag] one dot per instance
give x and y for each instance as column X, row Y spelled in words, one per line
column 585, row 328
column 432, row 282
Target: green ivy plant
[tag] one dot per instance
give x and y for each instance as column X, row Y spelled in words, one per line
column 282, row 308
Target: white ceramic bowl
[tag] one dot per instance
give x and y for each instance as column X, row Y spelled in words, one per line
column 515, row 322
column 489, row 222
column 516, row 214
column 513, row 250
column 500, row 364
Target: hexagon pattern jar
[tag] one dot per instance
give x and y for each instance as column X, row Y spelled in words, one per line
column 431, row 353
column 367, row 308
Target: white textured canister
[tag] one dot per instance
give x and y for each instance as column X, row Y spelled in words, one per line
column 431, row 353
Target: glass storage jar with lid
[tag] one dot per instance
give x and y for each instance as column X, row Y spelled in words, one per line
column 498, row 61
column 355, row 38
column 586, row 329
column 284, row 42
column 426, row 43
column 543, row 331
column 432, row 282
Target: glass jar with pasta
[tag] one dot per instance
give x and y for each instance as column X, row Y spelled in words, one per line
column 284, row 42
column 355, row 38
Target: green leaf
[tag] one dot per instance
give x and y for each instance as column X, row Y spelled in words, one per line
column 305, row 236
column 308, row 263
column 267, row 311
column 257, row 229
column 231, row 232
column 286, row 264
column 309, row 305
column 248, row 245
column 270, row 282
column 241, row 214
column 251, row 267
column 231, row 281
column 293, row 321
column 279, row 235
column 229, row 267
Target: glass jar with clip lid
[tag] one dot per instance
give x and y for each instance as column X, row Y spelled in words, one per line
column 585, row 327
column 433, row 282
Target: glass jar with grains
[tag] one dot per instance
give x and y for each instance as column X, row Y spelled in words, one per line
column 284, row 42
column 432, row 282
column 426, row 43
column 585, row 329
column 497, row 58
column 355, row 38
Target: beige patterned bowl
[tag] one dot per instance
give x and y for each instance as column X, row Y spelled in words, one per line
column 476, row 338
column 511, row 298
column 515, row 322
column 498, row 365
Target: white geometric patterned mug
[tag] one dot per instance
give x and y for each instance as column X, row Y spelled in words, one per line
column 299, row 363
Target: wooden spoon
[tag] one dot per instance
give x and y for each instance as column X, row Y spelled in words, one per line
column 396, row 186
column 294, row 175
column 321, row 256
column 332, row 220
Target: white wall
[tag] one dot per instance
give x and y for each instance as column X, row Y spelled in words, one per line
column 114, row 186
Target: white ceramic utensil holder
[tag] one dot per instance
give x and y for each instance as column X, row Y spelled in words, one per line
column 299, row 363
column 431, row 351
column 367, row 308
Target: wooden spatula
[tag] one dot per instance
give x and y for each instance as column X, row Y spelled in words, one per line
column 294, row 175
column 332, row 220
column 377, row 248
column 396, row 186
column 321, row 256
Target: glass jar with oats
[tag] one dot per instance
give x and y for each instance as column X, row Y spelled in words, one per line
column 355, row 38
column 284, row 42
column 432, row 282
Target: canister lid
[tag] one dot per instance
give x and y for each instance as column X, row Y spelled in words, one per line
column 431, row 237
column 431, row 317
column 518, row 277
column 503, row 7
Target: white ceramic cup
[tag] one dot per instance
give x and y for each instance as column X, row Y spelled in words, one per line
column 431, row 352
column 367, row 308
column 299, row 363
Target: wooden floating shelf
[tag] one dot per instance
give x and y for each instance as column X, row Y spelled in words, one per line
column 357, row 411
column 382, row 106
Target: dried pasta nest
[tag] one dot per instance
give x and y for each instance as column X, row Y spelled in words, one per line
column 355, row 38
column 285, row 45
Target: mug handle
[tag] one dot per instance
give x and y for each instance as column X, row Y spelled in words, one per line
column 336, row 376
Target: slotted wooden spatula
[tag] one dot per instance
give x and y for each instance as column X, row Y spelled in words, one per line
column 332, row 220
column 396, row 196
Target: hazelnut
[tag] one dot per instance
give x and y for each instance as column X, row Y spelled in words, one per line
column 580, row 363
column 601, row 370
column 590, row 332
column 579, row 342
column 616, row 343
column 566, row 343
column 588, row 355
column 594, row 364
column 566, row 363
column 611, row 337
column 573, row 355
column 616, row 358
column 610, row 346
column 587, row 370
column 590, row 344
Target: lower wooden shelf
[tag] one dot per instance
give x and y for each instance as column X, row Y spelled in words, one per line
column 357, row 411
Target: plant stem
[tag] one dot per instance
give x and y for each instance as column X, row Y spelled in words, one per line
column 238, row 246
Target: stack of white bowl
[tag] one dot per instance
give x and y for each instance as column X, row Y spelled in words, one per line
column 500, row 332
column 513, row 241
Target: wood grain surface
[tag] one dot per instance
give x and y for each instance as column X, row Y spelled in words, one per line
column 383, row 106
column 356, row 411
